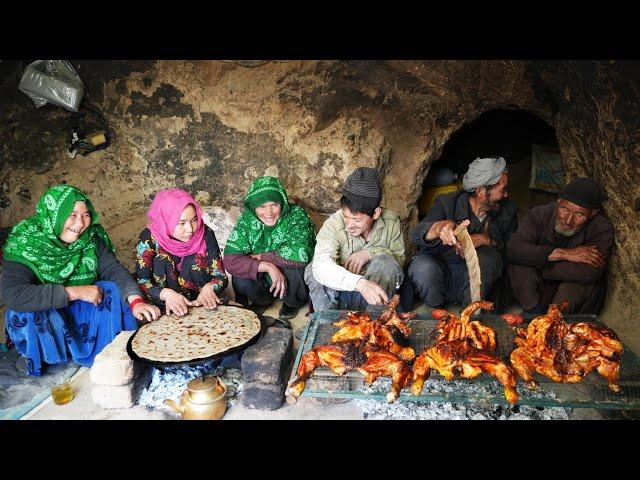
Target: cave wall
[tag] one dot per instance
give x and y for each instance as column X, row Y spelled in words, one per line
column 211, row 127
column 598, row 122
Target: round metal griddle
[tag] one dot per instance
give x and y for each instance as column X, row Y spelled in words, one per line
column 196, row 361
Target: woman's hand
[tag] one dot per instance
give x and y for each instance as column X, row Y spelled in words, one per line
column 175, row 302
column 207, row 298
column 278, row 280
column 144, row 311
column 87, row 293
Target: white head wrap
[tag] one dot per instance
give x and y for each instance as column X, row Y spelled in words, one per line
column 483, row 172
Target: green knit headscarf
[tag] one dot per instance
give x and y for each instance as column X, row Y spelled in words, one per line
column 266, row 189
column 35, row 241
column 293, row 235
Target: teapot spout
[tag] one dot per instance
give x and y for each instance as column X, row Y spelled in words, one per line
column 177, row 408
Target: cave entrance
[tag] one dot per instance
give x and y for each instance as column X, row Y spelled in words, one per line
column 527, row 143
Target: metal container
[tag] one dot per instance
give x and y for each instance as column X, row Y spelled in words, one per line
column 204, row 399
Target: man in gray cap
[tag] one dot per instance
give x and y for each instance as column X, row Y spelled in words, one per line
column 359, row 250
column 560, row 252
column 438, row 271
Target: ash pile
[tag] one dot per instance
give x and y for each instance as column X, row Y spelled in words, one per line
column 409, row 410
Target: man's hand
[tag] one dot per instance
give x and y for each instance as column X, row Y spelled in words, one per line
column 278, row 280
column 257, row 256
column 208, row 298
column 480, row 240
column 356, row 262
column 87, row 293
column 583, row 254
column 144, row 311
column 175, row 302
column 372, row 292
column 443, row 230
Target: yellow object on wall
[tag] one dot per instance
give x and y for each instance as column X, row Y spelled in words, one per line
column 97, row 139
column 429, row 196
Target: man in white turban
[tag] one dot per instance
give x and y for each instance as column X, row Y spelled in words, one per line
column 484, row 172
column 438, row 271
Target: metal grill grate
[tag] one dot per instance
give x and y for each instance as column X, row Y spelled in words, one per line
column 592, row 392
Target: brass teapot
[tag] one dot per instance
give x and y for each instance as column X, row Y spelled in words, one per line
column 204, row 399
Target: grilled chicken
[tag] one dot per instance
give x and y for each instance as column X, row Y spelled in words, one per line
column 389, row 331
column 463, row 347
column 383, row 363
column 450, row 327
column 392, row 339
column 460, row 356
column 566, row 353
column 357, row 326
column 375, row 347
column 390, row 309
column 340, row 358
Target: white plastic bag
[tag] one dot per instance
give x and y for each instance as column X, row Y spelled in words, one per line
column 54, row 81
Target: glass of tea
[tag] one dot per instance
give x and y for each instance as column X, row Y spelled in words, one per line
column 62, row 393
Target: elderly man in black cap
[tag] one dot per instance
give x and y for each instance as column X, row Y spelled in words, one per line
column 438, row 271
column 560, row 252
column 359, row 250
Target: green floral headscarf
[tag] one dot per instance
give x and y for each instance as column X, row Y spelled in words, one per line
column 292, row 237
column 34, row 242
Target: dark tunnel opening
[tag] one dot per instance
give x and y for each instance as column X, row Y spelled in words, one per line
column 528, row 144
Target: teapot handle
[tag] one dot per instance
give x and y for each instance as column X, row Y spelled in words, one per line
column 220, row 387
column 177, row 408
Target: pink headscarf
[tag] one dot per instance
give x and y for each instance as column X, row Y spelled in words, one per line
column 164, row 214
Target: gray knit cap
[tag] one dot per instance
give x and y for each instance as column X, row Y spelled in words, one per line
column 483, row 172
column 363, row 187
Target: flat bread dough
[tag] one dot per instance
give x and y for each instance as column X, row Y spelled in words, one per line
column 471, row 258
column 199, row 334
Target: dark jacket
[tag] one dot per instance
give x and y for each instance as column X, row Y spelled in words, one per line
column 536, row 239
column 455, row 206
column 22, row 291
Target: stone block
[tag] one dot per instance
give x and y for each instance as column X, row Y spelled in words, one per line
column 263, row 396
column 268, row 360
column 120, row 396
column 114, row 396
column 221, row 220
column 113, row 366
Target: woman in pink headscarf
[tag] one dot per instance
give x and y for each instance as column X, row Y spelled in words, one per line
column 179, row 262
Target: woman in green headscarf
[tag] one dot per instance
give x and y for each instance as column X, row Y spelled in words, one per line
column 64, row 289
column 269, row 248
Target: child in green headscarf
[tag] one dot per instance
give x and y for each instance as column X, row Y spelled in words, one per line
column 269, row 248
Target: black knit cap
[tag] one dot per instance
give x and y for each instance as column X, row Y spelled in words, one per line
column 584, row 192
column 363, row 188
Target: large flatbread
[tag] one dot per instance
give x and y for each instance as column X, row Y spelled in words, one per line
column 471, row 258
column 199, row 334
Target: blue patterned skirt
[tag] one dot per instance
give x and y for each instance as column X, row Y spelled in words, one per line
column 80, row 331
